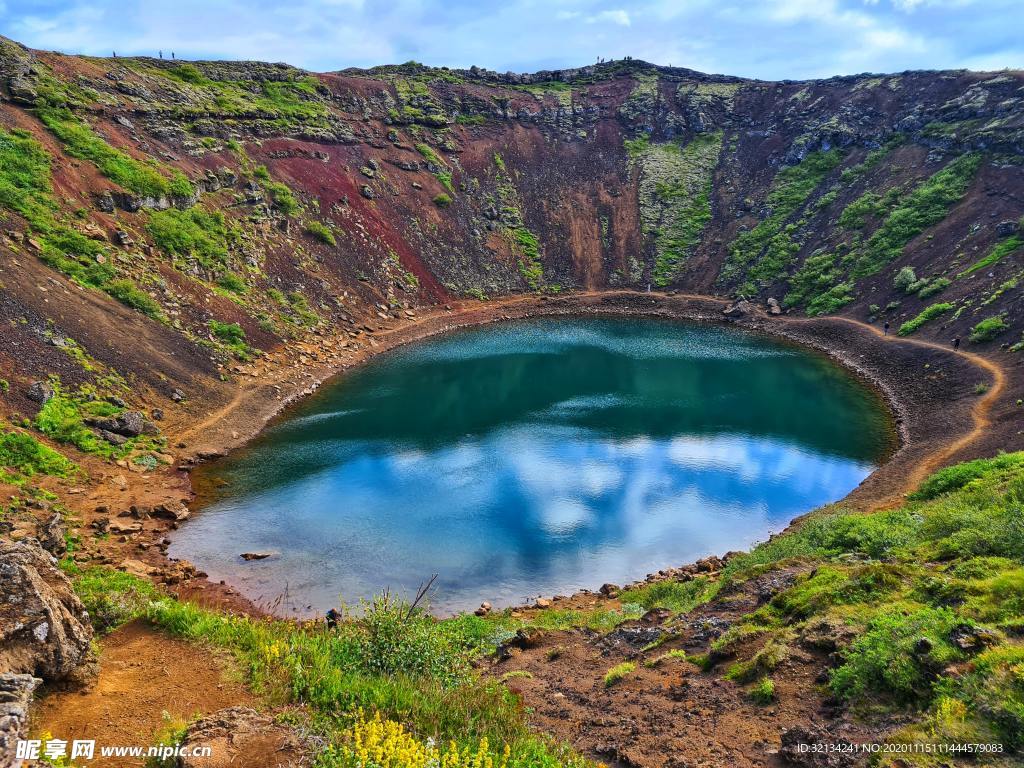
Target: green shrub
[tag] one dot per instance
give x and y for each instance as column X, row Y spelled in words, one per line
column 193, row 235
column 763, row 691
column 900, row 655
column 442, row 200
column 905, row 278
column 618, row 673
column 926, row 314
column 129, row 294
column 229, row 281
column 233, row 337
column 321, row 232
column 282, row 198
column 988, row 329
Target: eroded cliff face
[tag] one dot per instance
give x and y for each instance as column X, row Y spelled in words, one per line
column 164, row 220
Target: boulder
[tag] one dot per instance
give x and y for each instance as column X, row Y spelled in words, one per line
column 737, row 309
column 367, row 192
column 127, row 424
column 256, row 555
column 44, row 629
column 51, row 535
column 773, row 307
column 15, row 696
column 1006, row 228
column 40, row 392
column 609, row 590
column 242, row 736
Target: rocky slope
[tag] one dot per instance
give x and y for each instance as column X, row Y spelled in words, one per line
column 164, row 221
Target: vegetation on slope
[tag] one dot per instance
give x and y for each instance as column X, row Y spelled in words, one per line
column 762, row 255
column 675, row 198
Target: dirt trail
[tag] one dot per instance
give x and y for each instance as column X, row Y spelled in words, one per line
column 143, row 673
column 979, row 413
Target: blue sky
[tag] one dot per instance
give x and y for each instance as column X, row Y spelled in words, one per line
column 770, row 39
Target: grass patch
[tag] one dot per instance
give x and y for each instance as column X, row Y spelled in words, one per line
column 143, row 178
column 321, row 232
column 194, row 236
column 998, row 253
column 618, row 673
column 927, row 314
column 988, row 329
column 22, row 453
column 232, row 336
column 763, row 254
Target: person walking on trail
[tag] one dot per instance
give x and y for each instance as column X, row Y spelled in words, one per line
column 885, row 328
column 956, row 344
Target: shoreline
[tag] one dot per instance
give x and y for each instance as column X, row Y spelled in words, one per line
column 932, row 413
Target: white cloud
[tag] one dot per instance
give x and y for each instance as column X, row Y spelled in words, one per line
column 619, row 17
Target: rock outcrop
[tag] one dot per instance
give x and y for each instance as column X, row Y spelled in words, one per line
column 44, row 628
column 15, row 695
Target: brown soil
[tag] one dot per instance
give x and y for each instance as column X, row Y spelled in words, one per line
column 143, row 674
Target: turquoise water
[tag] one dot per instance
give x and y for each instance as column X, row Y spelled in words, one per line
column 535, row 457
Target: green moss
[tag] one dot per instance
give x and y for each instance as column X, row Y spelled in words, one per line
column 442, row 200
column 925, row 315
column 129, row 294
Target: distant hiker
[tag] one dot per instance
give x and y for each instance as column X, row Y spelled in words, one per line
column 956, row 344
column 332, row 617
column 115, row 54
column 161, row 54
column 886, row 328
column 172, row 55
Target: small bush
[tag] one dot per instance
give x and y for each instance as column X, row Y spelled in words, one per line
column 988, row 329
column 282, row 198
column 926, row 314
column 129, row 294
column 229, row 281
column 442, row 200
column 905, row 278
column 763, row 691
column 321, row 232
column 618, row 673
column 900, row 655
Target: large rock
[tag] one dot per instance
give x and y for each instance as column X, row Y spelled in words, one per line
column 128, row 424
column 738, row 309
column 44, row 629
column 242, row 736
column 40, row 392
column 15, row 695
